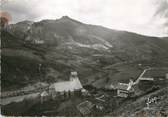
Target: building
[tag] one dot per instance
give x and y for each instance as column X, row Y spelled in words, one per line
column 85, row 107
column 72, row 85
column 85, row 92
column 44, row 96
column 124, row 90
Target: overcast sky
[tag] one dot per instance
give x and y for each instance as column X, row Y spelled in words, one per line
column 148, row 17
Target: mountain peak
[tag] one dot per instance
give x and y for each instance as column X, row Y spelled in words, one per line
column 67, row 18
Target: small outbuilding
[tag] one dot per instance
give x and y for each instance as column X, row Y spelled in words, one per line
column 85, row 107
column 44, row 96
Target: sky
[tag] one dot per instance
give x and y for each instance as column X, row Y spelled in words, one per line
column 147, row 17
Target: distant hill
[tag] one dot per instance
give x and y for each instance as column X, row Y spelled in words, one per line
column 48, row 50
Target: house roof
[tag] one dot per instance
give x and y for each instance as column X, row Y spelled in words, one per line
column 122, row 86
column 44, row 93
column 67, row 85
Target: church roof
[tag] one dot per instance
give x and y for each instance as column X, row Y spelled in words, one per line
column 67, row 85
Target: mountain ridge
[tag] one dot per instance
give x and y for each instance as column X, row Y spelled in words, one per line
column 71, row 19
column 64, row 45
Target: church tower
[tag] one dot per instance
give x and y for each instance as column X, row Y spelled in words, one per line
column 75, row 82
column 73, row 76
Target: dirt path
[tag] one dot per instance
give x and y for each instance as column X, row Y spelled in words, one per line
column 140, row 76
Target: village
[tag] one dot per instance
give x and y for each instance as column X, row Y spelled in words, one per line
column 86, row 99
column 72, row 98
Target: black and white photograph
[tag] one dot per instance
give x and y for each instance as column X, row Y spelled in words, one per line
column 84, row 58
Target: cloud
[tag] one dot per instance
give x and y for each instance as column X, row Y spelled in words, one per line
column 162, row 8
column 161, row 14
column 140, row 16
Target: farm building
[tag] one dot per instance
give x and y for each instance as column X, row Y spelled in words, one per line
column 123, row 89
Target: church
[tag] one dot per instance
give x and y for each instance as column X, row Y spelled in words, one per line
column 72, row 85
